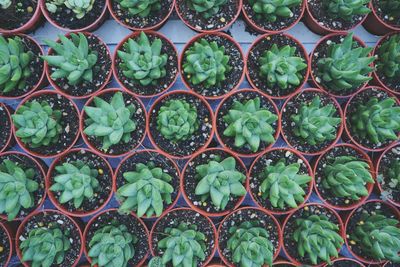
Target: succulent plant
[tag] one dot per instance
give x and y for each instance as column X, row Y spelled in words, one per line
column 45, row 247
column 250, row 245
column 391, row 8
column 378, row 236
column 394, row 173
column 17, row 186
column 142, row 61
column 155, row 262
column 206, row 63
column 14, row 64
column 345, row 9
column 76, row 181
column 219, row 180
column 280, row 66
column 146, row 190
column 346, row 65
column 317, row 238
column 183, row 245
column 377, row 120
column 37, row 124
column 4, row 4
column 282, row 184
column 271, row 10
column 315, row 124
column 79, row 7
column 141, row 8
column 250, row 124
column 111, row 122
column 207, row 8
column 388, row 61
column 112, row 246
column 72, row 59
column 177, row 120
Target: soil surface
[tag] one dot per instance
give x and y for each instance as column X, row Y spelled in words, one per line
column 389, row 190
column 17, row 14
column 5, row 127
column 5, row 245
column 393, row 21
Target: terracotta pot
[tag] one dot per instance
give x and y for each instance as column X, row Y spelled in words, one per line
column 10, row 139
column 10, row 238
column 28, row 26
column 283, row 263
column 375, row 25
column 346, row 259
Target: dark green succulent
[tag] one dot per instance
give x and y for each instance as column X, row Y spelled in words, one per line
column 345, row 9
column 79, row 7
column 394, row 173
column 388, row 61
column 206, row 8
column 391, row 8
column 271, row 10
column 141, row 8
column 155, row 262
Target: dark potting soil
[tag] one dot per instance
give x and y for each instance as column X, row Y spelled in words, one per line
column 26, row 163
column 197, row 140
column 391, row 264
column 5, row 247
column 390, row 190
column 104, row 178
column 247, row 215
column 5, row 127
column 163, row 83
column 288, row 232
column 36, row 66
column 138, row 117
column 292, row 108
column 283, row 265
column 233, row 77
column 226, row 14
column 362, row 98
column 345, row 263
column 135, row 227
column 136, row 21
column 253, row 64
column 101, row 71
column 279, row 25
column 272, row 158
column 17, row 14
column 190, row 217
column 191, row 180
column 393, row 21
column 221, row 125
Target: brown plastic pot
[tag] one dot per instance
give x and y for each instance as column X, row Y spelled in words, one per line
column 346, row 259
column 10, row 236
column 133, row 35
column 28, row 26
column 375, row 25
column 10, row 139
column 284, row 263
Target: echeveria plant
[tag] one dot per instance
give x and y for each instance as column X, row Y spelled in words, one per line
column 388, row 61
column 272, row 10
column 207, row 8
column 4, row 4
column 346, row 9
column 141, row 8
column 79, row 7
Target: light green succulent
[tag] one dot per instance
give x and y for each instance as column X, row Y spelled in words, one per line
column 394, row 173
column 4, row 4
column 391, row 8
column 271, row 10
column 155, row 262
column 206, row 8
column 346, row 9
column 388, row 53
column 79, row 7
column 141, row 8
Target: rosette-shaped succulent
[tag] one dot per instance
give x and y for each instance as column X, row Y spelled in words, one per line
column 79, row 7
column 250, row 124
column 37, row 124
column 142, row 61
column 388, row 61
column 14, row 64
column 317, row 238
column 183, row 245
column 377, row 120
column 17, row 186
column 394, row 173
column 4, row 4
column 346, row 65
column 72, row 59
column 391, row 8
column 282, row 184
column 45, row 247
column 112, row 246
column 146, row 190
column 219, row 180
column 206, row 63
column 346, row 9
column 250, row 245
column 378, row 237
column 76, row 181
column 111, row 122
column 141, row 8
column 280, row 66
column 177, row 120
column 271, row 10
column 207, row 8
column 315, row 124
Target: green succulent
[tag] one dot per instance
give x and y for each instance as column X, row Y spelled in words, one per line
column 388, row 61
column 394, row 173
column 177, row 120
column 141, row 8
column 377, row 120
column 315, row 124
column 219, row 180
column 111, row 122
column 143, row 61
column 345, row 9
column 183, row 246
column 72, row 59
column 45, row 247
column 16, row 188
column 79, row 7
column 391, row 8
column 280, row 66
column 271, row 10
column 146, row 190
column 14, row 64
column 206, row 63
column 112, row 246
column 37, row 124
column 156, row 262
column 378, row 236
column 250, row 245
column 317, row 238
column 4, row 4
column 206, row 8
column 250, row 124
column 76, row 181
column 282, row 184
column 345, row 66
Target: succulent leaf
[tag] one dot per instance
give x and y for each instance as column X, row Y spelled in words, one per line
column 79, row 7
column 388, row 61
column 156, row 262
column 141, row 8
column 206, row 8
column 271, row 10
column 345, row 9
column 4, row 4
column 394, row 173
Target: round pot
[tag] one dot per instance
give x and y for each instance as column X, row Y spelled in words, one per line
column 30, row 25
column 376, row 25
column 8, row 233
column 9, row 142
column 173, row 72
column 183, row 183
column 310, row 184
column 284, row 263
column 236, row 47
column 357, row 263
